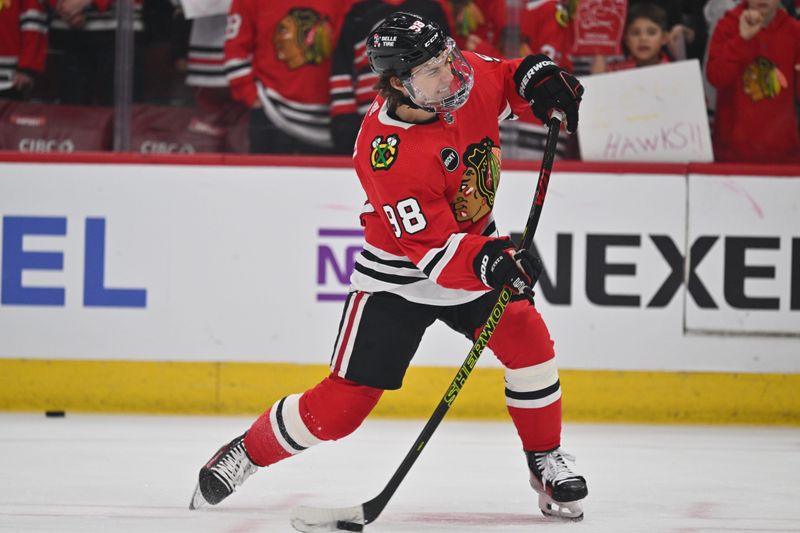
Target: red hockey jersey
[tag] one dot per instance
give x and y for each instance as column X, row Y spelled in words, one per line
column 545, row 28
column 278, row 52
column 430, row 192
column 484, row 19
column 757, row 85
column 23, row 39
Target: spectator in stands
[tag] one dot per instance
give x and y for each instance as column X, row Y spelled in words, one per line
column 686, row 30
column 82, row 47
column 200, row 56
column 352, row 80
column 753, row 62
column 23, row 46
column 278, row 63
column 546, row 27
column 198, row 52
column 644, row 40
column 478, row 25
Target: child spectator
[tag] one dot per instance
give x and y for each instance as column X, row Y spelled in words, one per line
column 644, row 40
column 23, row 45
column 753, row 61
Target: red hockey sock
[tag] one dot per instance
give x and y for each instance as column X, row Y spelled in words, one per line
column 331, row 410
column 539, row 429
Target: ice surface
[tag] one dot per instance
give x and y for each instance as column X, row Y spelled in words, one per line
column 87, row 473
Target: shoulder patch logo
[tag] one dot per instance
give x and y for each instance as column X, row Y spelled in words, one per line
column 450, row 159
column 384, row 152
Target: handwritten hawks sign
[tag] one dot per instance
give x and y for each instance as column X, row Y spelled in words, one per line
column 645, row 114
column 598, row 27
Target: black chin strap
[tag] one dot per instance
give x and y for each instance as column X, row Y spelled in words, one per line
column 405, row 100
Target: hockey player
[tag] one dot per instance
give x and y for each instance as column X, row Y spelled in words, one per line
column 428, row 158
column 352, row 81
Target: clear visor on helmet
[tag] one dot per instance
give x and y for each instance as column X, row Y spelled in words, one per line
column 442, row 83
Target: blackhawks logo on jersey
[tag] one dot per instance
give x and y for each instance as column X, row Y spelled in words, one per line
column 384, row 152
column 565, row 12
column 762, row 79
column 468, row 16
column 302, row 37
column 5, row 4
column 475, row 196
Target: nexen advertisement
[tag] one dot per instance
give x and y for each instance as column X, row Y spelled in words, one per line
column 202, row 263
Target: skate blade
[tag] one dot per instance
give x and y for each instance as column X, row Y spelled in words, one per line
column 197, row 500
column 572, row 511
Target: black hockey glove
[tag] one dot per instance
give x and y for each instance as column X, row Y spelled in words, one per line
column 498, row 263
column 545, row 86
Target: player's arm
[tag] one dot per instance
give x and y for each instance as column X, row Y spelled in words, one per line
column 345, row 119
column 33, row 37
column 240, row 35
column 422, row 222
column 537, row 81
column 728, row 54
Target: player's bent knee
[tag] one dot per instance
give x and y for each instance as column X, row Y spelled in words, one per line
column 336, row 407
column 522, row 339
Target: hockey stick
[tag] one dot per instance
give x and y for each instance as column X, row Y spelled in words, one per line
column 314, row 519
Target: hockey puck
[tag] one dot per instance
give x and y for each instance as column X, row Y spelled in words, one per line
column 55, row 414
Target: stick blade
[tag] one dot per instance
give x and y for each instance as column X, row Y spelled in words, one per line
column 317, row 520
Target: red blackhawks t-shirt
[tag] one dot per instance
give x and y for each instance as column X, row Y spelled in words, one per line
column 430, row 191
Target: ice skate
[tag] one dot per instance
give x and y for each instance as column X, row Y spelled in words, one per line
column 560, row 489
column 223, row 474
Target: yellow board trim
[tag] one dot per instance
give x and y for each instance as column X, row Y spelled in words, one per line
column 250, row 388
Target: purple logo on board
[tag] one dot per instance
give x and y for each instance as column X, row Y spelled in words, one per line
column 337, row 249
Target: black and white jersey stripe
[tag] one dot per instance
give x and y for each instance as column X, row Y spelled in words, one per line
column 8, row 67
column 376, row 270
column 236, row 68
column 206, row 67
column 309, row 122
column 529, row 140
column 342, row 91
column 206, row 56
column 33, row 20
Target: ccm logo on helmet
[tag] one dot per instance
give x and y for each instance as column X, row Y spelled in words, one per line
column 531, row 71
